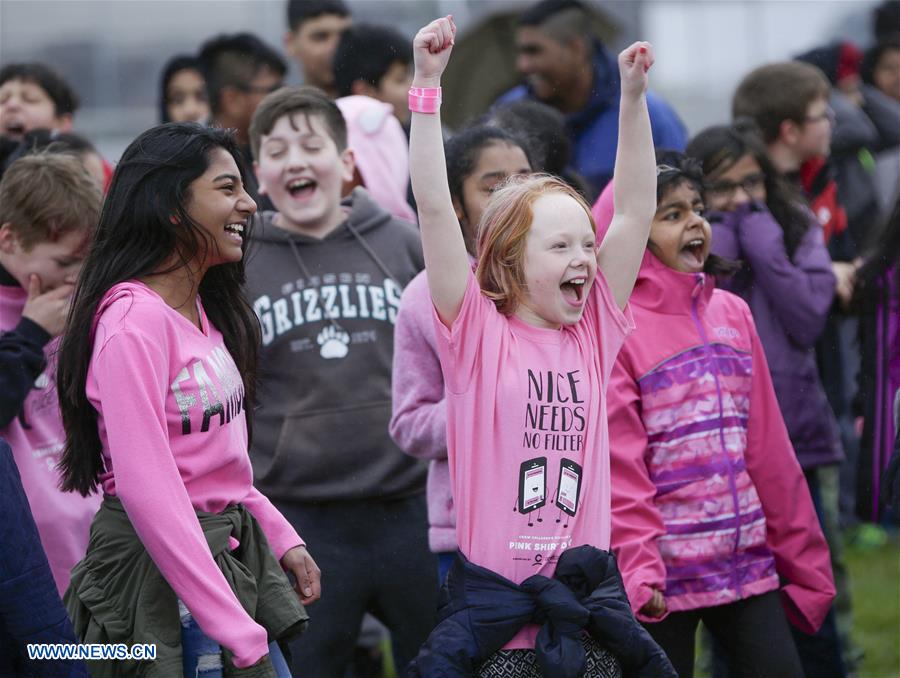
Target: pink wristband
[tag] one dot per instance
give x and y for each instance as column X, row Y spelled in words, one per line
column 424, row 99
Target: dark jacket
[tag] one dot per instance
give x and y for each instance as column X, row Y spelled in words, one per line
column 22, row 359
column 30, row 608
column 481, row 611
column 594, row 130
column 327, row 309
column 118, row 595
column 790, row 299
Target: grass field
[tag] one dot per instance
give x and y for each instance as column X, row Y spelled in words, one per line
column 875, row 581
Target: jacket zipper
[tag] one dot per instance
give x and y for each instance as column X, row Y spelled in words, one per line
column 732, row 482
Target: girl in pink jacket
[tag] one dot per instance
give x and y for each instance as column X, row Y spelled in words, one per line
column 712, row 519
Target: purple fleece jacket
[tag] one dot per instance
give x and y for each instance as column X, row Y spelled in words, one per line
column 419, row 419
column 789, row 298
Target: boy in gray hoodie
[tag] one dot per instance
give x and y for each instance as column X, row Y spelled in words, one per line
column 325, row 278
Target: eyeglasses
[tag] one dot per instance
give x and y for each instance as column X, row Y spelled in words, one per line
column 752, row 185
column 827, row 114
column 662, row 169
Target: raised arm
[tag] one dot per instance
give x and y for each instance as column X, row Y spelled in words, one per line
column 619, row 257
column 446, row 262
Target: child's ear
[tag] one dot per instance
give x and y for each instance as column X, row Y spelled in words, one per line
column 64, row 122
column 348, row 163
column 260, row 184
column 9, row 241
column 788, row 132
column 458, row 208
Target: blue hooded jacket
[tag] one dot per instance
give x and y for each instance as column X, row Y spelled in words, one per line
column 594, row 130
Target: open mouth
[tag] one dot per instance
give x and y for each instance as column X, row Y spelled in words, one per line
column 693, row 252
column 236, row 231
column 301, row 188
column 573, row 290
column 14, row 129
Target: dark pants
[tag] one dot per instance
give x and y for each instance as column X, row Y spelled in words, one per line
column 374, row 558
column 754, row 632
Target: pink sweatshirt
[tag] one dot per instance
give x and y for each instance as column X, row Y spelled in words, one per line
column 171, row 421
column 527, row 434
column 37, row 439
column 419, row 420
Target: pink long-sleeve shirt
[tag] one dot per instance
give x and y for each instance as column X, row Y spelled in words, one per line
column 171, row 421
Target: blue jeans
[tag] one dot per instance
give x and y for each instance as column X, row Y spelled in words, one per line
column 201, row 656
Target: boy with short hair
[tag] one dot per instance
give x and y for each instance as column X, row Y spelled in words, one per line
column 314, row 28
column 32, row 96
column 325, row 278
column 49, row 205
column 375, row 61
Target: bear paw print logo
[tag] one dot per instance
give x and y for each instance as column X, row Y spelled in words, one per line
column 334, row 342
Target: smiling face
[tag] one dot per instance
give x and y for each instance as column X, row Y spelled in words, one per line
column 302, row 171
column 546, row 63
column 496, row 163
column 222, row 208
column 25, row 106
column 680, row 237
column 560, row 262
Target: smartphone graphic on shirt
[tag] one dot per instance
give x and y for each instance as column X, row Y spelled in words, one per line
column 569, row 486
column 532, row 484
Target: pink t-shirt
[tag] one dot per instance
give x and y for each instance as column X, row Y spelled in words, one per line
column 37, row 438
column 171, row 419
column 527, row 433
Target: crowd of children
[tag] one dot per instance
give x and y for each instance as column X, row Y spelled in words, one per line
column 525, row 434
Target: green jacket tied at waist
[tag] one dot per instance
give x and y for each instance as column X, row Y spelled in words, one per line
column 118, row 595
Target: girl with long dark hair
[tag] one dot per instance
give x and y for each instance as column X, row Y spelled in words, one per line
column 786, row 275
column 156, row 381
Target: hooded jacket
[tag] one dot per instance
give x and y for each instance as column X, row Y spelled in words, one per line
column 594, row 130
column 790, row 299
column 327, row 309
column 709, row 503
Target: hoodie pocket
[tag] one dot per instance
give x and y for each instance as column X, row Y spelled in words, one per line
column 340, row 453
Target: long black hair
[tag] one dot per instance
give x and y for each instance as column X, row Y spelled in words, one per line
column 136, row 237
column 718, row 148
column 674, row 168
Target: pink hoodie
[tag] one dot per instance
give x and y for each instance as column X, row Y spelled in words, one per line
column 419, row 420
column 37, row 439
column 709, row 503
column 380, row 150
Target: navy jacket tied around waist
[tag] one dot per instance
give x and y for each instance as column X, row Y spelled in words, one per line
column 480, row 611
